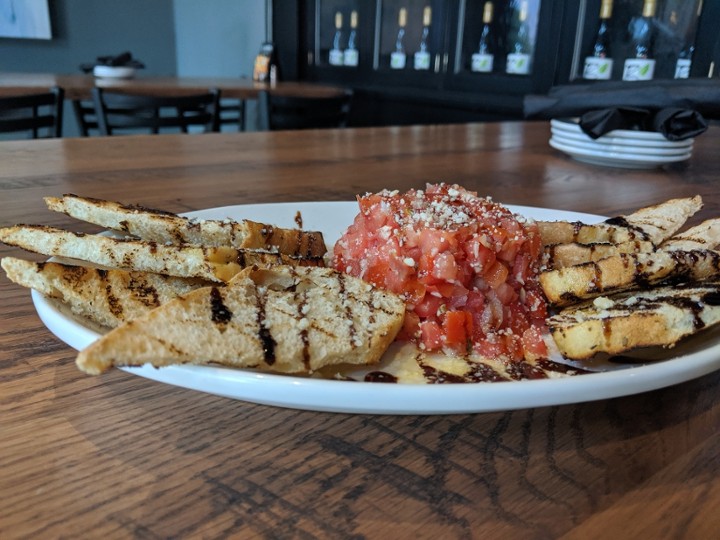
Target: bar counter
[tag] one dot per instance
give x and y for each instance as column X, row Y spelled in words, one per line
column 119, row 456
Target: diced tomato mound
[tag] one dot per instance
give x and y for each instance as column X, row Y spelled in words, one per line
column 466, row 266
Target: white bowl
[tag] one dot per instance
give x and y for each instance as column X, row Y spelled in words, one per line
column 114, row 72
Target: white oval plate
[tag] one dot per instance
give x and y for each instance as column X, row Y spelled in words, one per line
column 614, row 159
column 625, row 133
column 380, row 398
column 619, row 149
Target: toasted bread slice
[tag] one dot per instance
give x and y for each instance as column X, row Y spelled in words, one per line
column 106, row 297
column 649, row 318
column 653, row 223
column 211, row 263
column 283, row 319
column 565, row 286
column 706, row 235
column 574, row 253
column 163, row 227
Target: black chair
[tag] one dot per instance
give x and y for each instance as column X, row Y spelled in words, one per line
column 232, row 111
column 293, row 112
column 39, row 115
column 85, row 116
column 118, row 111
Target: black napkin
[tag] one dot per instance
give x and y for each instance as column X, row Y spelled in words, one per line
column 598, row 122
column 124, row 59
column 673, row 123
column 700, row 95
column 678, row 124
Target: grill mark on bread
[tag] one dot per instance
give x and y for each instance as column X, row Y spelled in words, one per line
column 348, row 313
column 220, row 314
column 267, row 342
column 114, row 304
column 143, row 291
column 300, row 301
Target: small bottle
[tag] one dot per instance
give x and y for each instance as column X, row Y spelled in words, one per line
column 684, row 59
column 518, row 60
column 598, row 66
column 351, row 55
column 482, row 60
column 398, row 56
column 336, row 54
column 422, row 56
column 641, row 66
column 684, row 62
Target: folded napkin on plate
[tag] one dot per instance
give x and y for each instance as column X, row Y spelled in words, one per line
column 675, row 124
column 701, row 95
column 121, row 60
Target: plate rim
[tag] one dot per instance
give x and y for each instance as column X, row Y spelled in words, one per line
column 622, row 150
column 605, row 157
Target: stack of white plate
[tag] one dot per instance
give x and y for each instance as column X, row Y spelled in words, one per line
column 619, row 148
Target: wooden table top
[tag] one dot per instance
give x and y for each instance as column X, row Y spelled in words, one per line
column 118, row 456
column 79, row 86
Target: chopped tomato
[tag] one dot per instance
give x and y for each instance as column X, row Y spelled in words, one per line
column 465, row 266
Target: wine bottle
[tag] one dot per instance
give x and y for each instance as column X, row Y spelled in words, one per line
column 482, row 60
column 350, row 55
column 398, row 56
column 599, row 64
column 336, row 54
column 518, row 60
column 421, row 60
column 641, row 66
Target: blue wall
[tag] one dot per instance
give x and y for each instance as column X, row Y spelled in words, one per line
column 85, row 29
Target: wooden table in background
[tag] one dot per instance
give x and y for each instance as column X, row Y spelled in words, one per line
column 79, row 86
column 118, row 456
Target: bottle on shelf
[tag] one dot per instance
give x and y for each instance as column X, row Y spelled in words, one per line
column 336, row 53
column 684, row 59
column 398, row 56
column 421, row 60
column 684, row 62
column 598, row 65
column 641, row 65
column 518, row 60
column 350, row 55
column 482, row 60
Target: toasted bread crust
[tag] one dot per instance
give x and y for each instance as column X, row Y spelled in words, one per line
column 706, row 235
column 284, row 319
column 566, row 286
column 652, row 223
column 165, row 227
column 211, row 263
column 658, row 317
column 106, row 297
column 572, row 254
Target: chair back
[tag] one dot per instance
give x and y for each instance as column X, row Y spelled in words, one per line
column 85, row 116
column 119, row 111
column 39, row 115
column 293, row 112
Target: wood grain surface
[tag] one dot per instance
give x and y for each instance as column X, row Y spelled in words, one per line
column 79, row 86
column 117, row 456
